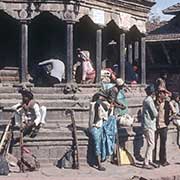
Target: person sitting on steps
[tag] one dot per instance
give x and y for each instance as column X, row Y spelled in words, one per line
column 30, row 113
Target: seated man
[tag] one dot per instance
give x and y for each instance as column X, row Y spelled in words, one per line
column 30, row 113
column 53, row 71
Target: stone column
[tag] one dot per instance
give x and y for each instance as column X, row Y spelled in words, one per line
column 130, row 53
column 143, row 61
column 69, row 51
column 24, row 51
column 122, row 56
column 98, row 54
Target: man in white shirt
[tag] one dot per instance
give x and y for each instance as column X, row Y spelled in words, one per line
column 30, row 112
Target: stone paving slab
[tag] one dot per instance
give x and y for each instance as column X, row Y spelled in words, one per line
column 113, row 172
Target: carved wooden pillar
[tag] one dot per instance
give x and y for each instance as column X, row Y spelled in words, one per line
column 143, row 61
column 69, row 51
column 136, row 51
column 98, row 54
column 130, row 53
column 122, row 56
column 24, row 50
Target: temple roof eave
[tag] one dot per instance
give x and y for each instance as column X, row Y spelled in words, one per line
column 124, row 20
column 172, row 10
column 163, row 37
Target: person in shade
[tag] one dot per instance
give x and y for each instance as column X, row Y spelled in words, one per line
column 149, row 115
column 53, row 71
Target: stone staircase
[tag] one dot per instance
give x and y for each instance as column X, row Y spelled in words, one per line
column 9, row 75
column 55, row 138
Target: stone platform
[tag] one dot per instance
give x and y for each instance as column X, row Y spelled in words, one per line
column 55, row 138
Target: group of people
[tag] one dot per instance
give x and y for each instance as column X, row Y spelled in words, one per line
column 52, row 71
column 108, row 106
column 160, row 107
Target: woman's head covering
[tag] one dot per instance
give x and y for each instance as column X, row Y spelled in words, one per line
column 85, row 55
column 119, row 82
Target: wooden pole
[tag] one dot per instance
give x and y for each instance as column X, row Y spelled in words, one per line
column 98, row 54
column 143, row 61
column 24, row 51
column 136, row 51
column 69, row 52
column 122, row 56
column 130, row 54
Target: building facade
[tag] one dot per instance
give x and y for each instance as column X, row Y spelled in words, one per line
column 32, row 31
column 163, row 49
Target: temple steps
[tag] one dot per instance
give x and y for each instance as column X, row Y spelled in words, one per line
column 55, row 138
column 83, row 89
column 48, row 96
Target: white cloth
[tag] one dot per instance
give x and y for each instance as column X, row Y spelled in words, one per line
column 43, row 111
column 105, row 76
column 58, row 68
column 126, row 120
column 37, row 114
column 40, row 113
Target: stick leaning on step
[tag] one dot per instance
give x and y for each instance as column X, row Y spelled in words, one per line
column 5, row 136
column 75, row 139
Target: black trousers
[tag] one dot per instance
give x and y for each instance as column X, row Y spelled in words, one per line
column 162, row 133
